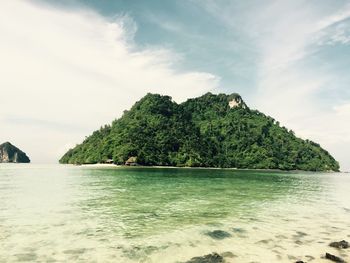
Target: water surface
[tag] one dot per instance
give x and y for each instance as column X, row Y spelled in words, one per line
column 58, row 213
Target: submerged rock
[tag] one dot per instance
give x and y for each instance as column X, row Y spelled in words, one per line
column 238, row 230
column 298, row 242
column 299, row 235
column 228, row 254
column 210, row 258
column 310, row 257
column 139, row 252
column 218, row 234
column 340, row 244
column 26, row 257
column 334, row 258
column 264, row 241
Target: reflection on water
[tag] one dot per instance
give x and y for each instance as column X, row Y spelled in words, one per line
column 88, row 214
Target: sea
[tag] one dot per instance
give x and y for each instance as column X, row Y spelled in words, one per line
column 66, row 213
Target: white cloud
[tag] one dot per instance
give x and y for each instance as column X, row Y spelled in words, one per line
column 286, row 34
column 64, row 73
column 331, row 129
column 337, row 34
column 288, row 88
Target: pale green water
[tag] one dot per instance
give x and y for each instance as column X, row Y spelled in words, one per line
column 87, row 214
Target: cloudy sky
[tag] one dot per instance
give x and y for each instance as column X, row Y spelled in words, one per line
column 67, row 67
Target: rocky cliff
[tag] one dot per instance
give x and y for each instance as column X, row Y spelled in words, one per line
column 11, row 154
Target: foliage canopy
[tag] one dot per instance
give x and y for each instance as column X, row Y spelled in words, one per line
column 201, row 132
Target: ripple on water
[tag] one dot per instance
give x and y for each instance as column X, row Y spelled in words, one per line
column 26, row 257
column 156, row 215
column 139, row 252
column 76, row 251
column 239, row 230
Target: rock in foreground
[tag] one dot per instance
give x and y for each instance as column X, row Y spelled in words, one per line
column 11, row 154
column 218, row 234
column 340, row 244
column 210, row 258
column 334, row 258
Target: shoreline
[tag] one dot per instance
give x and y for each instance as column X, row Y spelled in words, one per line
column 107, row 165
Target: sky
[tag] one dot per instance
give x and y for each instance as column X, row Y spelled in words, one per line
column 70, row 66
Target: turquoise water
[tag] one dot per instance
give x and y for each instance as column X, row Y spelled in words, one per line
column 57, row 213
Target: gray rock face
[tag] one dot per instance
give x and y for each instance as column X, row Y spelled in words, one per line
column 11, row 154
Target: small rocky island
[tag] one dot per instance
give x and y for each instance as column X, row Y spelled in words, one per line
column 11, row 154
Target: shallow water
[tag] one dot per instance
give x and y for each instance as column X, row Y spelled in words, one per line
column 58, row 213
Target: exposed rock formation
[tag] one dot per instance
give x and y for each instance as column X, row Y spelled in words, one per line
column 236, row 101
column 340, row 244
column 11, row 154
column 334, row 258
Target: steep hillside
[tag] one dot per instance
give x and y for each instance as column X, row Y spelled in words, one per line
column 11, row 154
column 208, row 131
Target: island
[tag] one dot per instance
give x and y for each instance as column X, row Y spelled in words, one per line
column 214, row 130
column 11, row 154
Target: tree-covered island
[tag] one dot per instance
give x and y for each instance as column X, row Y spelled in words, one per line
column 208, row 131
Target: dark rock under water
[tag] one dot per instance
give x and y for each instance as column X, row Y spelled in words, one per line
column 210, row 258
column 218, row 234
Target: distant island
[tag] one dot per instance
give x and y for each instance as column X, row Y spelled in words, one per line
column 208, row 131
column 11, row 154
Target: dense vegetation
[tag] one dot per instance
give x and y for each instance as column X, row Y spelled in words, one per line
column 11, row 154
column 201, row 132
